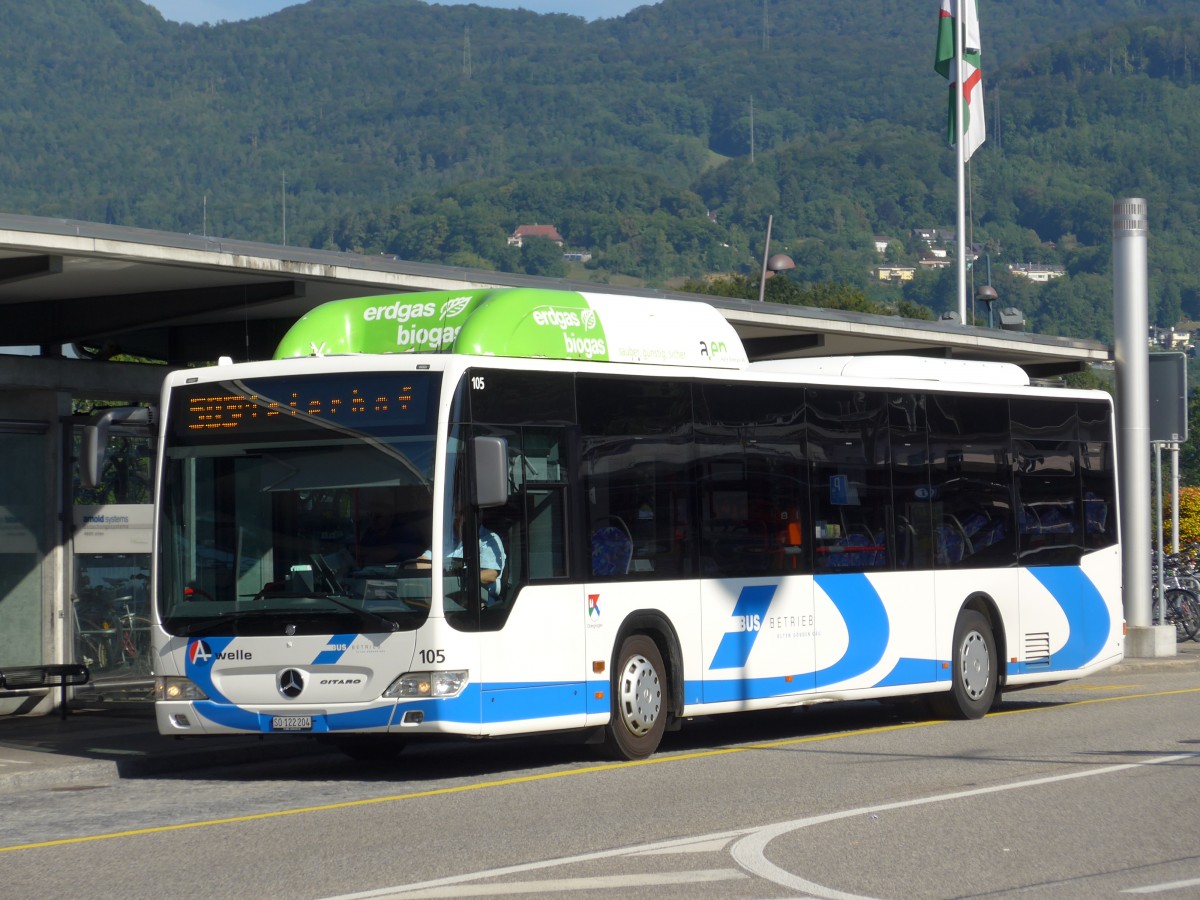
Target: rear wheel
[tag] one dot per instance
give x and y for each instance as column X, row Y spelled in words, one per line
column 975, row 670
column 641, row 699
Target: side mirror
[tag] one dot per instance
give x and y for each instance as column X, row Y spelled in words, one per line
column 491, row 471
column 94, row 440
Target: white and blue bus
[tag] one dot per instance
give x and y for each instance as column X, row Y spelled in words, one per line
column 655, row 527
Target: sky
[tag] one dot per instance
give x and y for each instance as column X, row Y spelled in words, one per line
column 198, row 11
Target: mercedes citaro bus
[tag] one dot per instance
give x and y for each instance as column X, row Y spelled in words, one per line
column 599, row 517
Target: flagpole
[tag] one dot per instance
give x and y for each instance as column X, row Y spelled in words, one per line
column 960, row 156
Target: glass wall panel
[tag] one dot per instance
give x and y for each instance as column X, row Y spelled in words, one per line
column 110, row 552
column 22, row 545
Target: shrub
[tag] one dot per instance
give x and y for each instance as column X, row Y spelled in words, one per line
column 1189, row 516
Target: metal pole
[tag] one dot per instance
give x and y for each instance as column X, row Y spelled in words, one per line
column 762, row 278
column 1130, row 305
column 1158, row 530
column 1175, row 498
column 283, row 203
column 960, row 156
column 991, row 322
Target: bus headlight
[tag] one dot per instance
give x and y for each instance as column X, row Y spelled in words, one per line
column 173, row 687
column 415, row 685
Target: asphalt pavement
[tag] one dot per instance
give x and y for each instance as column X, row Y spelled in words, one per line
column 103, row 742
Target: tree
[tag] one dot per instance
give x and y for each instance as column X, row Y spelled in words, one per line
column 543, row 257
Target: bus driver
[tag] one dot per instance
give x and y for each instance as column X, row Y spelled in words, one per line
column 491, row 559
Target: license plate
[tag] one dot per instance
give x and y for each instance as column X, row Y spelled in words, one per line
column 291, row 723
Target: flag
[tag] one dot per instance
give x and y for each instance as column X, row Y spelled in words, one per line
column 971, row 75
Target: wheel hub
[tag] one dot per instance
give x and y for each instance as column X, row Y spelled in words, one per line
column 641, row 696
column 975, row 665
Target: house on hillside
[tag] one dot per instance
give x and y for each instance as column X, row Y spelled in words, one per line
column 895, row 273
column 549, row 232
column 1036, row 271
column 934, row 236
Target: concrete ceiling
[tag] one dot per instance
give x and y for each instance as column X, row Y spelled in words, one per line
column 187, row 298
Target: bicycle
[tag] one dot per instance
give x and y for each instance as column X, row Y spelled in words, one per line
column 1181, row 598
column 96, row 641
column 135, row 642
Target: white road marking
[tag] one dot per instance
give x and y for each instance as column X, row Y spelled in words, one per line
column 563, row 885
column 406, row 890
column 700, row 846
column 748, row 852
column 1159, row 888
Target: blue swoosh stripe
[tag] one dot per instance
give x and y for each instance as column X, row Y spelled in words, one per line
column 866, row 620
column 1087, row 614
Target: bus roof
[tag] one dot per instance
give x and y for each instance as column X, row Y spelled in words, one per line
column 521, row 322
column 907, row 368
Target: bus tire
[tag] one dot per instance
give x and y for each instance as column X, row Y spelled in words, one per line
column 973, row 683
column 641, row 696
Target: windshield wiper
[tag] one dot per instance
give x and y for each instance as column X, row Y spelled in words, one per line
column 390, row 624
column 365, row 614
column 218, row 621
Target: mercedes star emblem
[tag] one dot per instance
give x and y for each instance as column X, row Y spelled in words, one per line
column 291, row 683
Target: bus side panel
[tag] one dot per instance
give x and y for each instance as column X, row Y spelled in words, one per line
column 758, row 641
column 767, row 642
column 874, row 632
column 1071, row 617
column 540, row 684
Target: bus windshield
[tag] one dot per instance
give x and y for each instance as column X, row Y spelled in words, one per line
column 290, row 507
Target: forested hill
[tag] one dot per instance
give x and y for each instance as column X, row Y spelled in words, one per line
column 658, row 142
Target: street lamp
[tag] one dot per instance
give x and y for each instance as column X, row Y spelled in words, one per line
column 780, row 262
column 985, row 293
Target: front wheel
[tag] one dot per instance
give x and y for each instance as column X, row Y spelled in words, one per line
column 640, row 700
column 975, row 670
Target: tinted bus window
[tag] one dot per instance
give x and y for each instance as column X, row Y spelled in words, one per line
column 1095, row 421
column 636, row 463
column 849, row 449
column 1049, row 510
column 1099, row 498
column 753, row 483
column 971, row 481
column 914, row 532
column 521, row 398
column 1046, row 420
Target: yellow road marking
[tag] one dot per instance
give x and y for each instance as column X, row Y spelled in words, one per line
column 1103, row 687
column 547, row 776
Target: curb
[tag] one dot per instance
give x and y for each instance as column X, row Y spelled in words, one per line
column 1179, row 662
column 60, row 774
